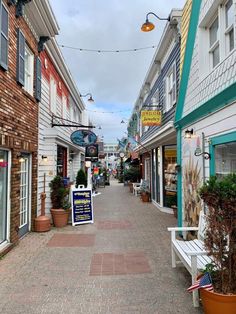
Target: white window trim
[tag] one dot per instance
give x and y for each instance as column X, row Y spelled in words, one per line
column 228, row 29
column 29, row 72
column 223, row 33
column 53, row 95
column 168, row 104
column 64, row 106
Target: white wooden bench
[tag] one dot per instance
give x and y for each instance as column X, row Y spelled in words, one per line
column 191, row 254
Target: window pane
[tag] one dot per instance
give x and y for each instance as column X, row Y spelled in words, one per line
column 216, row 56
column 214, row 32
column 231, row 39
column 4, row 21
column 229, row 12
column 4, row 49
column 225, row 159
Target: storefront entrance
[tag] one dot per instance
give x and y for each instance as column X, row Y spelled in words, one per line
column 61, row 161
column 25, row 195
column 3, row 194
column 170, row 176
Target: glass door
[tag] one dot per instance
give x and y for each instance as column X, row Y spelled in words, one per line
column 24, row 196
column 170, row 176
column 3, row 194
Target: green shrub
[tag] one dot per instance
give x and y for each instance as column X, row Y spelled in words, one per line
column 81, row 178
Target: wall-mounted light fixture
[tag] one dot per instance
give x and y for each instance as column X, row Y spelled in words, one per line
column 70, row 161
column 90, row 99
column 149, row 26
column 188, row 133
column 20, row 157
column 44, row 158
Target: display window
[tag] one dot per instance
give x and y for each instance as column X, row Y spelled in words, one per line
column 225, row 159
column 170, row 176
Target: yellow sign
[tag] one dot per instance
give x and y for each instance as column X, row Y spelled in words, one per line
column 151, row 117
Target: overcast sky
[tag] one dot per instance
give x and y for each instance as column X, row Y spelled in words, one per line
column 114, row 79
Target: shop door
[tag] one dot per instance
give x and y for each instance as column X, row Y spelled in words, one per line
column 24, row 196
column 3, row 194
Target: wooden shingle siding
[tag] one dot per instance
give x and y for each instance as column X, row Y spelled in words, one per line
column 219, row 79
column 184, row 30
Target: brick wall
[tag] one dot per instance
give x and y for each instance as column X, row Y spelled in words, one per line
column 18, row 119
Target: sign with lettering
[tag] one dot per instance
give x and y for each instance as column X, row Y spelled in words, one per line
column 82, row 206
column 151, row 117
column 83, row 138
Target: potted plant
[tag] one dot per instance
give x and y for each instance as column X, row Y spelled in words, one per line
column 81, row 178
column 59, row 199
column 145, row 191
column 219, row 194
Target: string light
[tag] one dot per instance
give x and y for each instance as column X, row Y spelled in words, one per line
column 107, row 51
column 108, row 111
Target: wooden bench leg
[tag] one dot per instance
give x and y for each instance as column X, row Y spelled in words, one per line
column 173, row 258
column 194, row 278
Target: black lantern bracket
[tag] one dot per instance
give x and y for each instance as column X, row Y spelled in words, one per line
column 206, row 155
column 59, row 121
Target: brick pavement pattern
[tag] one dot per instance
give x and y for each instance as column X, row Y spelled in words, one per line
column 118, row 271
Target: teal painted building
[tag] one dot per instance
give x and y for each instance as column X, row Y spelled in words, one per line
column 206, row 110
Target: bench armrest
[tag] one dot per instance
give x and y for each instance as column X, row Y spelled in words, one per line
column 196, row 253
column 182, row 229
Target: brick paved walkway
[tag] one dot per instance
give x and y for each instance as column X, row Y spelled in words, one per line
column 118, row 265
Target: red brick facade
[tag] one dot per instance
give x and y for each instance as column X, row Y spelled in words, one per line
column 18, row 120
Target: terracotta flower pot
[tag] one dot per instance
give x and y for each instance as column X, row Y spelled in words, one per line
column 60, row 217
column 145, row 197
column 215, row 303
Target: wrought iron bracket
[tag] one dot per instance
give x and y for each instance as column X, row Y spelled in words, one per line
column 205, row 155
column 71, row 123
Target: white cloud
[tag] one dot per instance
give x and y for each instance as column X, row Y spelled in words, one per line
column 113, row 79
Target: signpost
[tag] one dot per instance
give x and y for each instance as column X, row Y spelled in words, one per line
column 82, row 205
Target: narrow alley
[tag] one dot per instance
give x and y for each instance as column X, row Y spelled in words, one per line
column 120, row 264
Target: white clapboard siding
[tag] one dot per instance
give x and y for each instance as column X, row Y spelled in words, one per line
column 224, row 119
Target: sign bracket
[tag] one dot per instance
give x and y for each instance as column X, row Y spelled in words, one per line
column 61, row 123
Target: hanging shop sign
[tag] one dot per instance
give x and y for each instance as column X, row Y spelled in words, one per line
column 83, row 138
column 82, row 206
column 151, row 117
column 91, row 151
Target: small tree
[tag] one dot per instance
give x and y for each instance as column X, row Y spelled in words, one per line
column 219, row 194
column 132, row 174
column 57, row 192
column 81, row 178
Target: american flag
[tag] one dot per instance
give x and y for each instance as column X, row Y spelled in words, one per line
column 204, row 282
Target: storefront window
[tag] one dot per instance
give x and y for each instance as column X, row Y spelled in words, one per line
column 61, row 161
column 3, row 194
column 158, row 158
column 225, row 159
column 170, row 176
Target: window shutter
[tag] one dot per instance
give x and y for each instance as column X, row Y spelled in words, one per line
column 20, row 75
column 38, row 79
column 4, row 38
column 164, row 94
column 174, row 83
